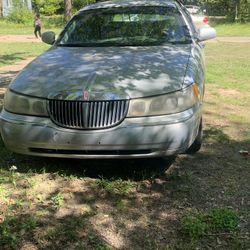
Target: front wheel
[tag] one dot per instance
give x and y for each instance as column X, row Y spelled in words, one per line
column 195, row 147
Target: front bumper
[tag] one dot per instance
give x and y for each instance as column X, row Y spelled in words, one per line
column 134, row 138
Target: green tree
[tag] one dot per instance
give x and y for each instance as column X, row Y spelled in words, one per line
column 20, row 13
column 48, row 7
column 244, row 11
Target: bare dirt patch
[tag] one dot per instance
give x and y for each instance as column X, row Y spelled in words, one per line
column 230, row 92
column 230, row 40
column 18, row 39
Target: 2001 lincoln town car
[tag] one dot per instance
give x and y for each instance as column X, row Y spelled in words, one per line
column 124, row 79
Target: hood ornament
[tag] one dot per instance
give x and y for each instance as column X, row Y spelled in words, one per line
column 85, row 95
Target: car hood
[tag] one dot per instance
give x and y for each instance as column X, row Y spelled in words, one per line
column 104, row 72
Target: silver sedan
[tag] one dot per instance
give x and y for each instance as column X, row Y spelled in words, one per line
column 122, row 80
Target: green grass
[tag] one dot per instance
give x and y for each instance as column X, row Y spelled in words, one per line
column 228, row 81
column 231, row 29
column 57, row 200
column 216, row 221
column 54, row 23
column 115, row 187
column 13, row 52
column 7, row 28
column 227, row 65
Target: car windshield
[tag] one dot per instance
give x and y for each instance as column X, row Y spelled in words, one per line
column 130, row 26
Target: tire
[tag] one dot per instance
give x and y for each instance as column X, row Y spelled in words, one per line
column 195, row 147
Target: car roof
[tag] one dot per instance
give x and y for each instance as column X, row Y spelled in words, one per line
column 127, row 3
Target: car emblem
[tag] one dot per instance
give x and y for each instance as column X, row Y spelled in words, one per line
column 85, row 95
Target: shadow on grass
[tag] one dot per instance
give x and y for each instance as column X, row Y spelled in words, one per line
column 136, row 170
column 86, row 214
column 11, row 58
column 215, row 134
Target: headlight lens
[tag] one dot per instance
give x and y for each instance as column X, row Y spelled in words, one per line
column 21, row 104
column 165, row 104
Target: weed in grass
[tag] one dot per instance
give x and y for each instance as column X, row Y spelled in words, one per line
column 97, row 243
column 57, row 200
column 149, row 242
column 115, row 187
column 13, row 175
column 29, row 224
column 51, row 233
column 222, row 219
column 7, row 238
column 121, row 205
column 31, row 182
column 194, row 226
column 216, row 221
column 177, row 245
column 18, row 204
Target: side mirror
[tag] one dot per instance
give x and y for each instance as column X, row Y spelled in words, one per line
column 49, row 37
column 206, row 33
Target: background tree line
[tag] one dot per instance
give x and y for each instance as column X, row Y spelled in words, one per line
column 233, row 10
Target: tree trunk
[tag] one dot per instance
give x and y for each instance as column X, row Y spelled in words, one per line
column 1, row 8
column 67, row 9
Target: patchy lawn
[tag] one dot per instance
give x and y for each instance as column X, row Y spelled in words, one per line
column 188, row 202
column 231, row 29
column 54, row 23
column 13, row 52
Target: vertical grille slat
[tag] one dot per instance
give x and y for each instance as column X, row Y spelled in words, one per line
column 106, row 114
column 114, row 112
column 87, row 114
column 102, row 114
column 110, row 113
column 118, row 110
column 121, row 111
column 94, row 115
column 81, row 124
column 65, row 112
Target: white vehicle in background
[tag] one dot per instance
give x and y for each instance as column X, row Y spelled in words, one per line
column 198, row 15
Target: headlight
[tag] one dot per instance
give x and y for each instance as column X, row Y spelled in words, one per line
column 165, row 104
column 21, row 104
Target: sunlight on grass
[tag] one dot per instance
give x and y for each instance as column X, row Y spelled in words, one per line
column 13, row 52
column 7, row 28
column 232, row 29
column 227, row 65
column 228, row 88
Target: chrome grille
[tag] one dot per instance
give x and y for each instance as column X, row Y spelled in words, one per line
column 87, row 114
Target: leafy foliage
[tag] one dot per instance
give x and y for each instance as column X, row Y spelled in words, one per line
column 20, row 13
column 48, row 7
column 78, row 4
column 245, row 11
